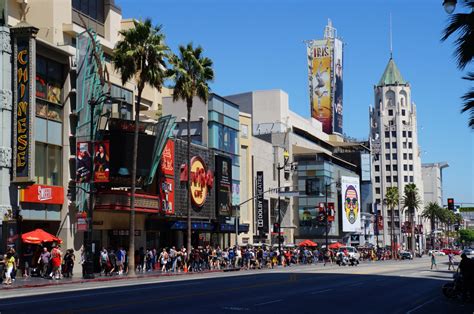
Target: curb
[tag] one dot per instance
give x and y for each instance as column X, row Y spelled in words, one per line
column 105, row 279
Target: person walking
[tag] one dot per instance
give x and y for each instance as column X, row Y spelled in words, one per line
column 44, row 260
column 10, row 265
column 433, row 262
column 451, row 261
column 56, row 262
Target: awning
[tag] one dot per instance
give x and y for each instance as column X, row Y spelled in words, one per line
column 39, row 236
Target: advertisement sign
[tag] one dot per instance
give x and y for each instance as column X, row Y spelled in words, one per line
column 331, row 212
column 201, row 181
column 166, row 185
column 83, row 162
column 223, row 185
column 261, row 208
column 338, row 90
column 101, row 161
column 365, row 167
column 42, row 194
column 81, row 218
column 24, row 108
column 320, row 67
column 167, row 159
column 351, row 200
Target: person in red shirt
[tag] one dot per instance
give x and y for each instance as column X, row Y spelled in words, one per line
column 56, row 261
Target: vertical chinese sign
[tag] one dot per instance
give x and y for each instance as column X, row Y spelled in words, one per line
column 166, row 179
column 24, row 86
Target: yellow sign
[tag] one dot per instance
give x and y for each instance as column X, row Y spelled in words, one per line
column 200, row 181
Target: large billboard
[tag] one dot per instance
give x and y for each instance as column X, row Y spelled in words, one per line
column 320, row 68
column 101, row 161
column 223, row 175
column 337, row 100
column 351, row 200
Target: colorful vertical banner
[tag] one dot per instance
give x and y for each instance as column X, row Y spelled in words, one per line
column 261, row 206
column 24, row 90
column 101, row 161
column 338, row 89
column 83, row 162
column 223, row 175
column 320, row 67
column 351, row 200
column 166, row 183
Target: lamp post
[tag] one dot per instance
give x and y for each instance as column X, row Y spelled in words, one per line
column 286, row 157
column 326, row 211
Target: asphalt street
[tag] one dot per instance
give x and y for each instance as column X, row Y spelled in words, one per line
column 380, row 287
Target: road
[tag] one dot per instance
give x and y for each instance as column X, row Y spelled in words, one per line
column 380, row 287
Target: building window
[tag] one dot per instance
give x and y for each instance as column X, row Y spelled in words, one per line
column 410, row 145
column 409, row 134
column 394, row 156
column 395, row 178
column 387, row 156
column 405, row 178
column 394, row 133
column 387, row 167
column 411, row 167
column 404, row 156
column 403, row 112
column 395, row 168
column 377, row 190
column 390, row 112
column 377, row 179
column 411, row 179
column 49, row 80
column 404, row 133
column 377, row 168
column 410, row 156
column 388, row 179
column 387, row 145
column 244, row 130
column 48, row 164
column 394, row 144
column 92, row 8
column 387, row 133
column 48, row 111
column 405, row 167
column 404, row 144
column 377, row 200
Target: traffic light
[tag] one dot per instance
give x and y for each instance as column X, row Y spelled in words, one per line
column 276, row 227
column 451, row 204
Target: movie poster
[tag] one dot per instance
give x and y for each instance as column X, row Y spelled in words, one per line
column 320, row 67
column 101, row 161
column 83, row 162
column 224, row 185
column 166, row 179
column 351, row 204
column 338, row 90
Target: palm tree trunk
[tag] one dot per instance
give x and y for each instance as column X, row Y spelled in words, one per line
column 433, row 228
column 131, row 246
column 412, row 222
column 188, row 205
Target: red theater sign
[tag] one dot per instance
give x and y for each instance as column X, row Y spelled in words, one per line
column 43, row 194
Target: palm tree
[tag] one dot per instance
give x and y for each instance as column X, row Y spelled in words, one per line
column 192, row 73
column 463, row 24
column 412, row 202
column 392, row 200
column 432, row 212
column 140, row 56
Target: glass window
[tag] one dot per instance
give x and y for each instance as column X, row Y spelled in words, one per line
column 387, row 167
column 40, row 163
column 394, row 144
column 387, row 145
column 404, row 156
column 411, row 167
column 390, row 112
column 394, row 133
column 394, row 156
column 48, row 164
column 395, row 178
column 404, row 144
column 395, row 168
column 405, row 167
column 403, row 112
column 377, row 190
column 410, row 145
column 49, row 80
column 244, row 129
column 410, row 156
column 377, row 168
column 411, row 178
column 377, row 179
column 387, row 156
column 388, row 178
column 404, row 133
column 405, row 178
column 387, row 133
column 409, row 133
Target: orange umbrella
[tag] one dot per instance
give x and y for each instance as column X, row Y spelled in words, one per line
column 39, row 236
column 307, row 243
column 335, row 245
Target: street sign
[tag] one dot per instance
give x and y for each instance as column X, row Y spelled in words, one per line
column 289, row 194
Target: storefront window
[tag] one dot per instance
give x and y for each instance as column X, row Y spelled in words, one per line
column 48, row 164
column 49, row 79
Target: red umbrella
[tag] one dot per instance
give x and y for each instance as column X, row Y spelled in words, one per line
column 335, row 245
column 307, row 243
column 39, row 236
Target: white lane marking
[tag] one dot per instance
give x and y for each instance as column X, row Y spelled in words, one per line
column 321, row 291
column 235, row 308
column 269, row 302
column 420, row 306
column 41, row 300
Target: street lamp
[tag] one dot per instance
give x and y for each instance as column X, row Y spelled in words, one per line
column 286, row 157
column 327, row 211
column 449, row 6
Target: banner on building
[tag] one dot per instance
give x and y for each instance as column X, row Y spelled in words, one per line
column 166, row 179
column 101, row 161
column 320, row 67
column 24, row 108
column 83, row 162
column 351, row 200
column 337, row 100
column 42, row 194
column 365, row 166
column 223, row 174
column 261, row 205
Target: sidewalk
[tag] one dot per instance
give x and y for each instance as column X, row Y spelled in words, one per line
column 36, row 282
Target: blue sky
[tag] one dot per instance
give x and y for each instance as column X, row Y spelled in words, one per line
column 258, row 44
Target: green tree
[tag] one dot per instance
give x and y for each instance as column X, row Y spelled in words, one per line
column 140, row 56
column 392, row 201
column 434, row 213
column 191, row 72
column 466, row 236
column 412, row 202
column 463, row 25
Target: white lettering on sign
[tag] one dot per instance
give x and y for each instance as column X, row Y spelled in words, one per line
column 44, row 193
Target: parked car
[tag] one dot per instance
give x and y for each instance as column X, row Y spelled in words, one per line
column 352, row 251
column 454, row 251
column 406, row 255
column 468, row 251
column 436, row 253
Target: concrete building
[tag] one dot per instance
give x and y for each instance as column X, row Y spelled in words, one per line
column 247, row 184
column 396, row 158
column 433, row 182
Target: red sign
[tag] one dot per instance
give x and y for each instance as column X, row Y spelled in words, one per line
column 81, row 221
column 331, row 212
column 101, row 161
column 43, row 194
column 167, row 159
